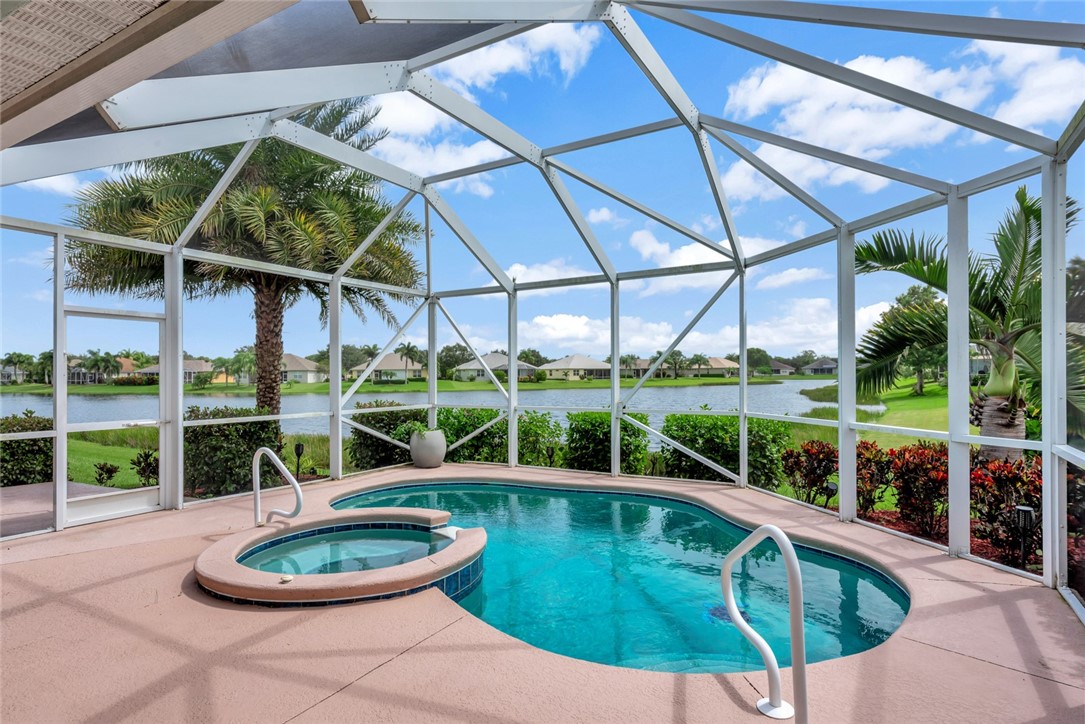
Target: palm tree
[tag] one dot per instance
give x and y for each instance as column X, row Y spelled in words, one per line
column 1004, row 319
column 109, row 365
column 409, row 353
column 698, row 360
column 628, row 361
column 15, row 360
column 369, row 351
column 45, row 366
column 243, row 362
column 288, row 206
column 677, row 361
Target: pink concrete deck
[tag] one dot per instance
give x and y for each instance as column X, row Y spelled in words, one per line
column 104, row 623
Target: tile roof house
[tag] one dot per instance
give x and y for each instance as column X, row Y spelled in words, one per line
column 299, row 369
column 821, row 366
column 392, row 368
column 192, row 367
column 779, row 369
column 472, row 370
column 576, row 366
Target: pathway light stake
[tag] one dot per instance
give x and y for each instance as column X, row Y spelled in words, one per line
column 1025, row 518
column 299, row 450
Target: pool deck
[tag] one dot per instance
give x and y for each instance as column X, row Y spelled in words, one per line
column 104, row 623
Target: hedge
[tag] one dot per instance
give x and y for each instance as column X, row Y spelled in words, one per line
column 218, row 458
column 716, row 437
column 23, row 462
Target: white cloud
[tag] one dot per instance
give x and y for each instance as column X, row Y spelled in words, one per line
column 1047, row 87
column 794, row 275
column 553, row 269
column 68, row 184
column 40, row 295
column 706, row 223
column 36, row 257
column 606, row 215
column 425, row 159
column 866, row 317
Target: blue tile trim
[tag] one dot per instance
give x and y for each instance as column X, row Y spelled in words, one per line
column 337, row 528
column 343, row 503
column 455, row 585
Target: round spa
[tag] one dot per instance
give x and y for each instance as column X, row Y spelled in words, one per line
column 344, row 557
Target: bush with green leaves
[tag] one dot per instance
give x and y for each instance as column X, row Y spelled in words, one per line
column 873, row 471
column 921, row 478
column 145, row 464
column 808, row 470
column 368, row 452
column 202, row 380
column 717, row 437
column 490, row 446
column 540, row 376
column 588, row 446
column 218, row 458
column 23, row 462
column 539, row 438
column 104, row 473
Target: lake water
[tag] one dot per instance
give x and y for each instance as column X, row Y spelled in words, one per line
column 779, row 399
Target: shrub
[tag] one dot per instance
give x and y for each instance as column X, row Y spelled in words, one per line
column 218, row 458
column 135, row 381
column 491, row 445
column 997, row 487
column 105, row 472
column 809, row 469
column 716, row 437
column 368, row 452
column 921, row 479
column 540, row 375
column 589, row 443
column 501, row 375
column 145, row 463
column 872, row 472
column 23, row 462
column 539, row 437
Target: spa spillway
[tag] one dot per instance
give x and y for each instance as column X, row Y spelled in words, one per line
column 344, row 557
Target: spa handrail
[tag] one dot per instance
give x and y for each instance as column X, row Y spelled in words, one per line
column 256, row 486
column 774, row 706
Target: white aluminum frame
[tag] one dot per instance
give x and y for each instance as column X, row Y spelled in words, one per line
column 188, row 114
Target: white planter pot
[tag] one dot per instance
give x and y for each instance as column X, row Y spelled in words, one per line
column 428, row 448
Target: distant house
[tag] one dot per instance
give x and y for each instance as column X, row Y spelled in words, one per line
column 496, row 361
column 980, row 362
column 779, row 369
column 576, row 366
column 299, row 369
column 716, row 367
column 9, row 375
column 821, row 366
column 192, row 367
column 78, row 375
column 393, row 368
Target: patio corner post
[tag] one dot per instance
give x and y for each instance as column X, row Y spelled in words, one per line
column 845, row 334
column 335, row 377
column 172, row 458
column 743, row 374
column 959, row 373
column 513, row 381
column 616, row 407
column 60, row 387
column 1053, row 392
column 432, row 372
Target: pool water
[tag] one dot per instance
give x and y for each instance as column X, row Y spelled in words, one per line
column 346, row 551
column 635, row 582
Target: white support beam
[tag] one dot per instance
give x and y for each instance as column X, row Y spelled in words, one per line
column 513, row 350
column 670, row 271
column 708, row 160
column 561, row 282
column 219, row 189
column 683, row 449
column 743, row 389
column 501, row 415
column 846, row 395
column 896, row 213
column 857, row 80
column 1070, row 35
column 617, row 409
column 171, row 434
column 24, row 163
column 438, row 204
column 179, row 100
column 468, row 44
column 842, row 159
column 387, row 348
column 119, row 242
column 60, row 386
column 476, row 11
column 335, row 378
column 252, row 265
column 776, row 177
column 379, row 435
column 375, row 234
column 431, row 324
column 1001, row 177
column 473, row 170
column 957, row 355
column 1054, row 383
column 639, row 207
column 164, row 37
column 678, row 340
column 478, row 358
column 377, row 286
column 569, row 205
column 298, row 135
column 814, row 240
column 1072, row 137
column 445, row 99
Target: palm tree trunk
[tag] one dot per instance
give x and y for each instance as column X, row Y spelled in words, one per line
column 999, row 418
column 269, row 344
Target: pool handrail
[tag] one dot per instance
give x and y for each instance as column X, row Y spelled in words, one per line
column 774, row 706
column 256, row 486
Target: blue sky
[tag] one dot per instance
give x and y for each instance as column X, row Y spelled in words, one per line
column 565, row 82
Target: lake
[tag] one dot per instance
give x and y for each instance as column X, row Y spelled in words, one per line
column 779, row 399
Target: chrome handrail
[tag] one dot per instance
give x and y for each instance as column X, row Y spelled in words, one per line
column 774, row 706
column 256, row 486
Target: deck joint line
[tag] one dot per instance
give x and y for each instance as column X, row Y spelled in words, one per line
column 994, row 663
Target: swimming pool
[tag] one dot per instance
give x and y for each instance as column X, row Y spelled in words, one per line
column 327, row 550
column 635, row 581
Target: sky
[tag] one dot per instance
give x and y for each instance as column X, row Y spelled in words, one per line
column 565, row 82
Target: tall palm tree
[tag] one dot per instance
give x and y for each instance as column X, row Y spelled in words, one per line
column 287, row 206
column 698, row 360
column 1004, row 319
column 109, row 365
column 45, row 366
column 369, row 351
column 628, row 361
column 409, row 353
column 677, row 361
column 15, row 360
column 243, row 363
